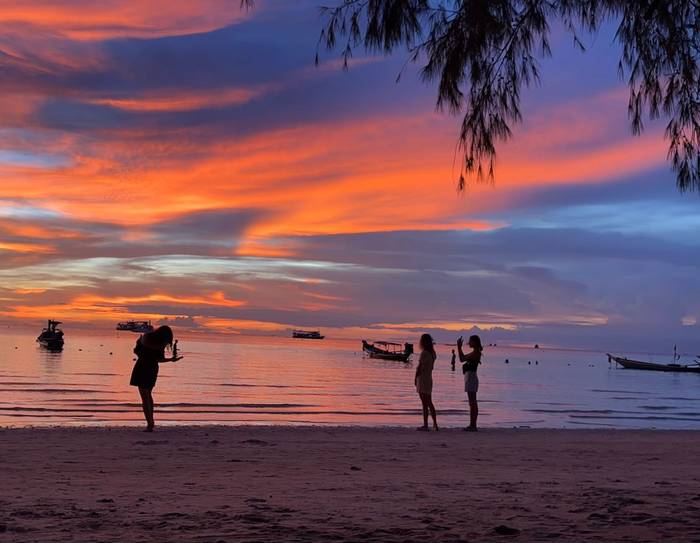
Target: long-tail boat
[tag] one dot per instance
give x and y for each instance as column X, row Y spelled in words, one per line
column 653, row 366
column 385, row 350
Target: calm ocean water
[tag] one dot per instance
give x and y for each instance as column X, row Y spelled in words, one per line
column 256, row 380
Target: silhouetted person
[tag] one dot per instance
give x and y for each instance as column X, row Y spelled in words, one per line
column 150, row 351
column 424, row 380
column 470, row 363
column 454, row 359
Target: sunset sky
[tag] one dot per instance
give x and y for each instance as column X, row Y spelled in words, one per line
column 186, row 162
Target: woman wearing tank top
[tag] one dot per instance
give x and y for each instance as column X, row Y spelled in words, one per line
column 470, row 364
column 424, row 380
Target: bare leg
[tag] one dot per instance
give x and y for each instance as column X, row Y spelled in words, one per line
column 424, row 400
column 147, row 403
column 473, row 409
column 433, row 413
column 151, row 408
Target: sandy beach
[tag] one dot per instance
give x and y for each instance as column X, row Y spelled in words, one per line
column 219, row 484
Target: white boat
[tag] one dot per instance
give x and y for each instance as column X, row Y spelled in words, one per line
column 140, row 327
column 307, row 334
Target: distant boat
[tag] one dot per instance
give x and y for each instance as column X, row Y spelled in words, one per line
column 142, row 327
column 307, row 334
column 51, row 337
column 385, row 350
column 652, row 366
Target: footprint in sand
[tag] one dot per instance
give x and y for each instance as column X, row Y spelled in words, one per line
column 506, row 530
column 254, row 442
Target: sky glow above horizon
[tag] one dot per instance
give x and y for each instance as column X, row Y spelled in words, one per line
column 186, row 162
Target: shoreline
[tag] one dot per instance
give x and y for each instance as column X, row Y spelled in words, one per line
column 346, row 483
column 353, row 343
column 169, row 426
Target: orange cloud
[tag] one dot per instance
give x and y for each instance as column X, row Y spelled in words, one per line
column 176, row 100
column 504, row 322
column 363, row 176
column 24, row 291
column 24, row 230
column 89, row 307
column 25, row 247
column 381, row 174
column 108, row 19
column 235, row 326
column 75, row 314
column 214, row 299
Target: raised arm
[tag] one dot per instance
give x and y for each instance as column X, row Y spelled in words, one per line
column 163, row 359
column 462, row 356
column 169, row 359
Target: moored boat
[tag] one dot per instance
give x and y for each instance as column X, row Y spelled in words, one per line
column 51, row 337
column 307, row 334
column 653, row 366
column 140, row 327
column 385, row 350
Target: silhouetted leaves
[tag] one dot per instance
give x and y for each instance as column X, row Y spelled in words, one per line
column 482, row 53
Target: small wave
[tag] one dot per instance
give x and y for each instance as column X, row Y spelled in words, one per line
column 60, row 410
column 99, row 374
column 47, row 416
column 58, row 390
column 639, row 417
column 259, row 386
column 584, row 411
column 187, row 404
column 48, row 412
column 410, row 411
column 621, row 391
column 597, row 424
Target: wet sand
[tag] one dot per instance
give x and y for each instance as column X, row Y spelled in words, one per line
column 219, row 484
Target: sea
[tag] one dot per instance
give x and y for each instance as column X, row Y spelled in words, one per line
column 236, row 380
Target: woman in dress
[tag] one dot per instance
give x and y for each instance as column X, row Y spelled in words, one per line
column 470, row 363
column 150, row 351
column 424, row 380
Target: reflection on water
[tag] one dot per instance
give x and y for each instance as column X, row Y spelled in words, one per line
column 284, row 381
